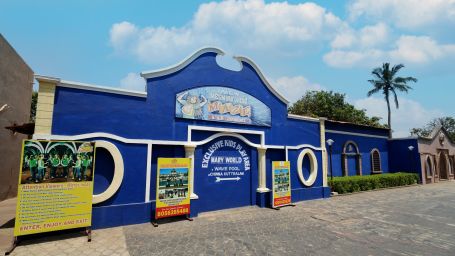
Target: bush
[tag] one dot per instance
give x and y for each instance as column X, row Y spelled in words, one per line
column 351, row 184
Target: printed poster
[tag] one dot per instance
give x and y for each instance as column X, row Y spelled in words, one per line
column 281, row 183
column 55, row 186
column 222, row 104
column 172, row 194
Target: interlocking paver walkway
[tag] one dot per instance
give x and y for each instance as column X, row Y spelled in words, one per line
column 418, row 220
column 104, row 242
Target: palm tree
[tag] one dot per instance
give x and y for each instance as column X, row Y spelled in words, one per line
column 386, row 82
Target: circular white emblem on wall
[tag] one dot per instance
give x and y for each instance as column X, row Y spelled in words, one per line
column 118, row 171
column 313, row 167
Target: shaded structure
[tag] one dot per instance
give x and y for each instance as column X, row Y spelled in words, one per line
column 16, row 82
column 437, row 153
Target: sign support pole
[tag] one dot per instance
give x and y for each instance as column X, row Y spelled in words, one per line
column 88, row 232
column 279, row 207
column 13, row 246
column 155, row 222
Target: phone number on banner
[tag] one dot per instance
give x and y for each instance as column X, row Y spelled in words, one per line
column 172, row 211
column 282, row 201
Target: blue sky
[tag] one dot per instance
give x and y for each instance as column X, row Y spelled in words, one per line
column 331, row 45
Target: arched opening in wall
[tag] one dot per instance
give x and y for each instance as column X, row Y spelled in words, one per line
column 351, row 159
column 443, row 170
column 451, row 165
column 428, row 168
column 375, row 158
column 104, row 171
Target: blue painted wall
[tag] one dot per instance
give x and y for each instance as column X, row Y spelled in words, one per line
column 78, row 111
column 403, row 160
column 365, row 143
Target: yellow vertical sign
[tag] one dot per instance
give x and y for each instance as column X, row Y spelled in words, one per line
column 55, row 186
column 172, row 187
column 281, row 183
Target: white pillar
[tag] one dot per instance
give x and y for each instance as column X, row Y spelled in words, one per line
column 324, row 152
column 262, row 170
column 189, row 153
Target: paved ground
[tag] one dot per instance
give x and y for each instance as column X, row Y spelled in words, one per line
column 417, row 220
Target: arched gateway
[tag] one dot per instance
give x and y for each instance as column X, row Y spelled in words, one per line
column 443, row 166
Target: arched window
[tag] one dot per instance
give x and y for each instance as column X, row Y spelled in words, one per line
column 351, row 152
column 375, row 161
column 428, row 167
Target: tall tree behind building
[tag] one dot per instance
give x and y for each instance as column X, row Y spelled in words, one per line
column 388, row 83
column 33, row 106
column 333, row 106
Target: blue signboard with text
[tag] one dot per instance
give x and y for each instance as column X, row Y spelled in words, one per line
column 222, row 104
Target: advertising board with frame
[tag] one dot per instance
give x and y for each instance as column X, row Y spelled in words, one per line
column 55, row 187
column 172, row 187
column 281, row 189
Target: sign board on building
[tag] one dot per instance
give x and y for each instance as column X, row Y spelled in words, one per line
column 222, row 104
column 281, row 183
column 55, row 186
column 172, row 183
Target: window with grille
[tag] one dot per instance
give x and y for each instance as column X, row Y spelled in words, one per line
column 375, row 161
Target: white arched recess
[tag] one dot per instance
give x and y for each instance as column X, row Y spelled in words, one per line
column 313, row 167
column 189, row 151
column 118, row 171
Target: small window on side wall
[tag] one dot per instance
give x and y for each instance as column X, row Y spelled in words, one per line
column 375, row 161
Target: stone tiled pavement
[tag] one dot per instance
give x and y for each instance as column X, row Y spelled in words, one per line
column 418, row 220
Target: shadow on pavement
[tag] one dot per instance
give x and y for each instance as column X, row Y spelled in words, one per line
column 8, row 224
column 51, row 236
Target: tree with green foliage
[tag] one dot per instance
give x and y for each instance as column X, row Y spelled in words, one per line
column 448, row 123
column 387, row 82
column 33, row 106
column 332, row 106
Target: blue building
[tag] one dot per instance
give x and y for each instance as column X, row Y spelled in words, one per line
column 195, row 109
column 200, row 110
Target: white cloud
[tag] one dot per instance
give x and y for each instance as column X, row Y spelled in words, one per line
column 351, row 58
column 367, row 37
column 293, row 88
column 280, row 29
column 418, row 50
column 121, row 35
column 133, row 81
column 411, row 114
column 410, row 14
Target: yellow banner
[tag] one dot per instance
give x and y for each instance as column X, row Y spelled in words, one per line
column 172, row 183
column 55, row 186
column 281, row 183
